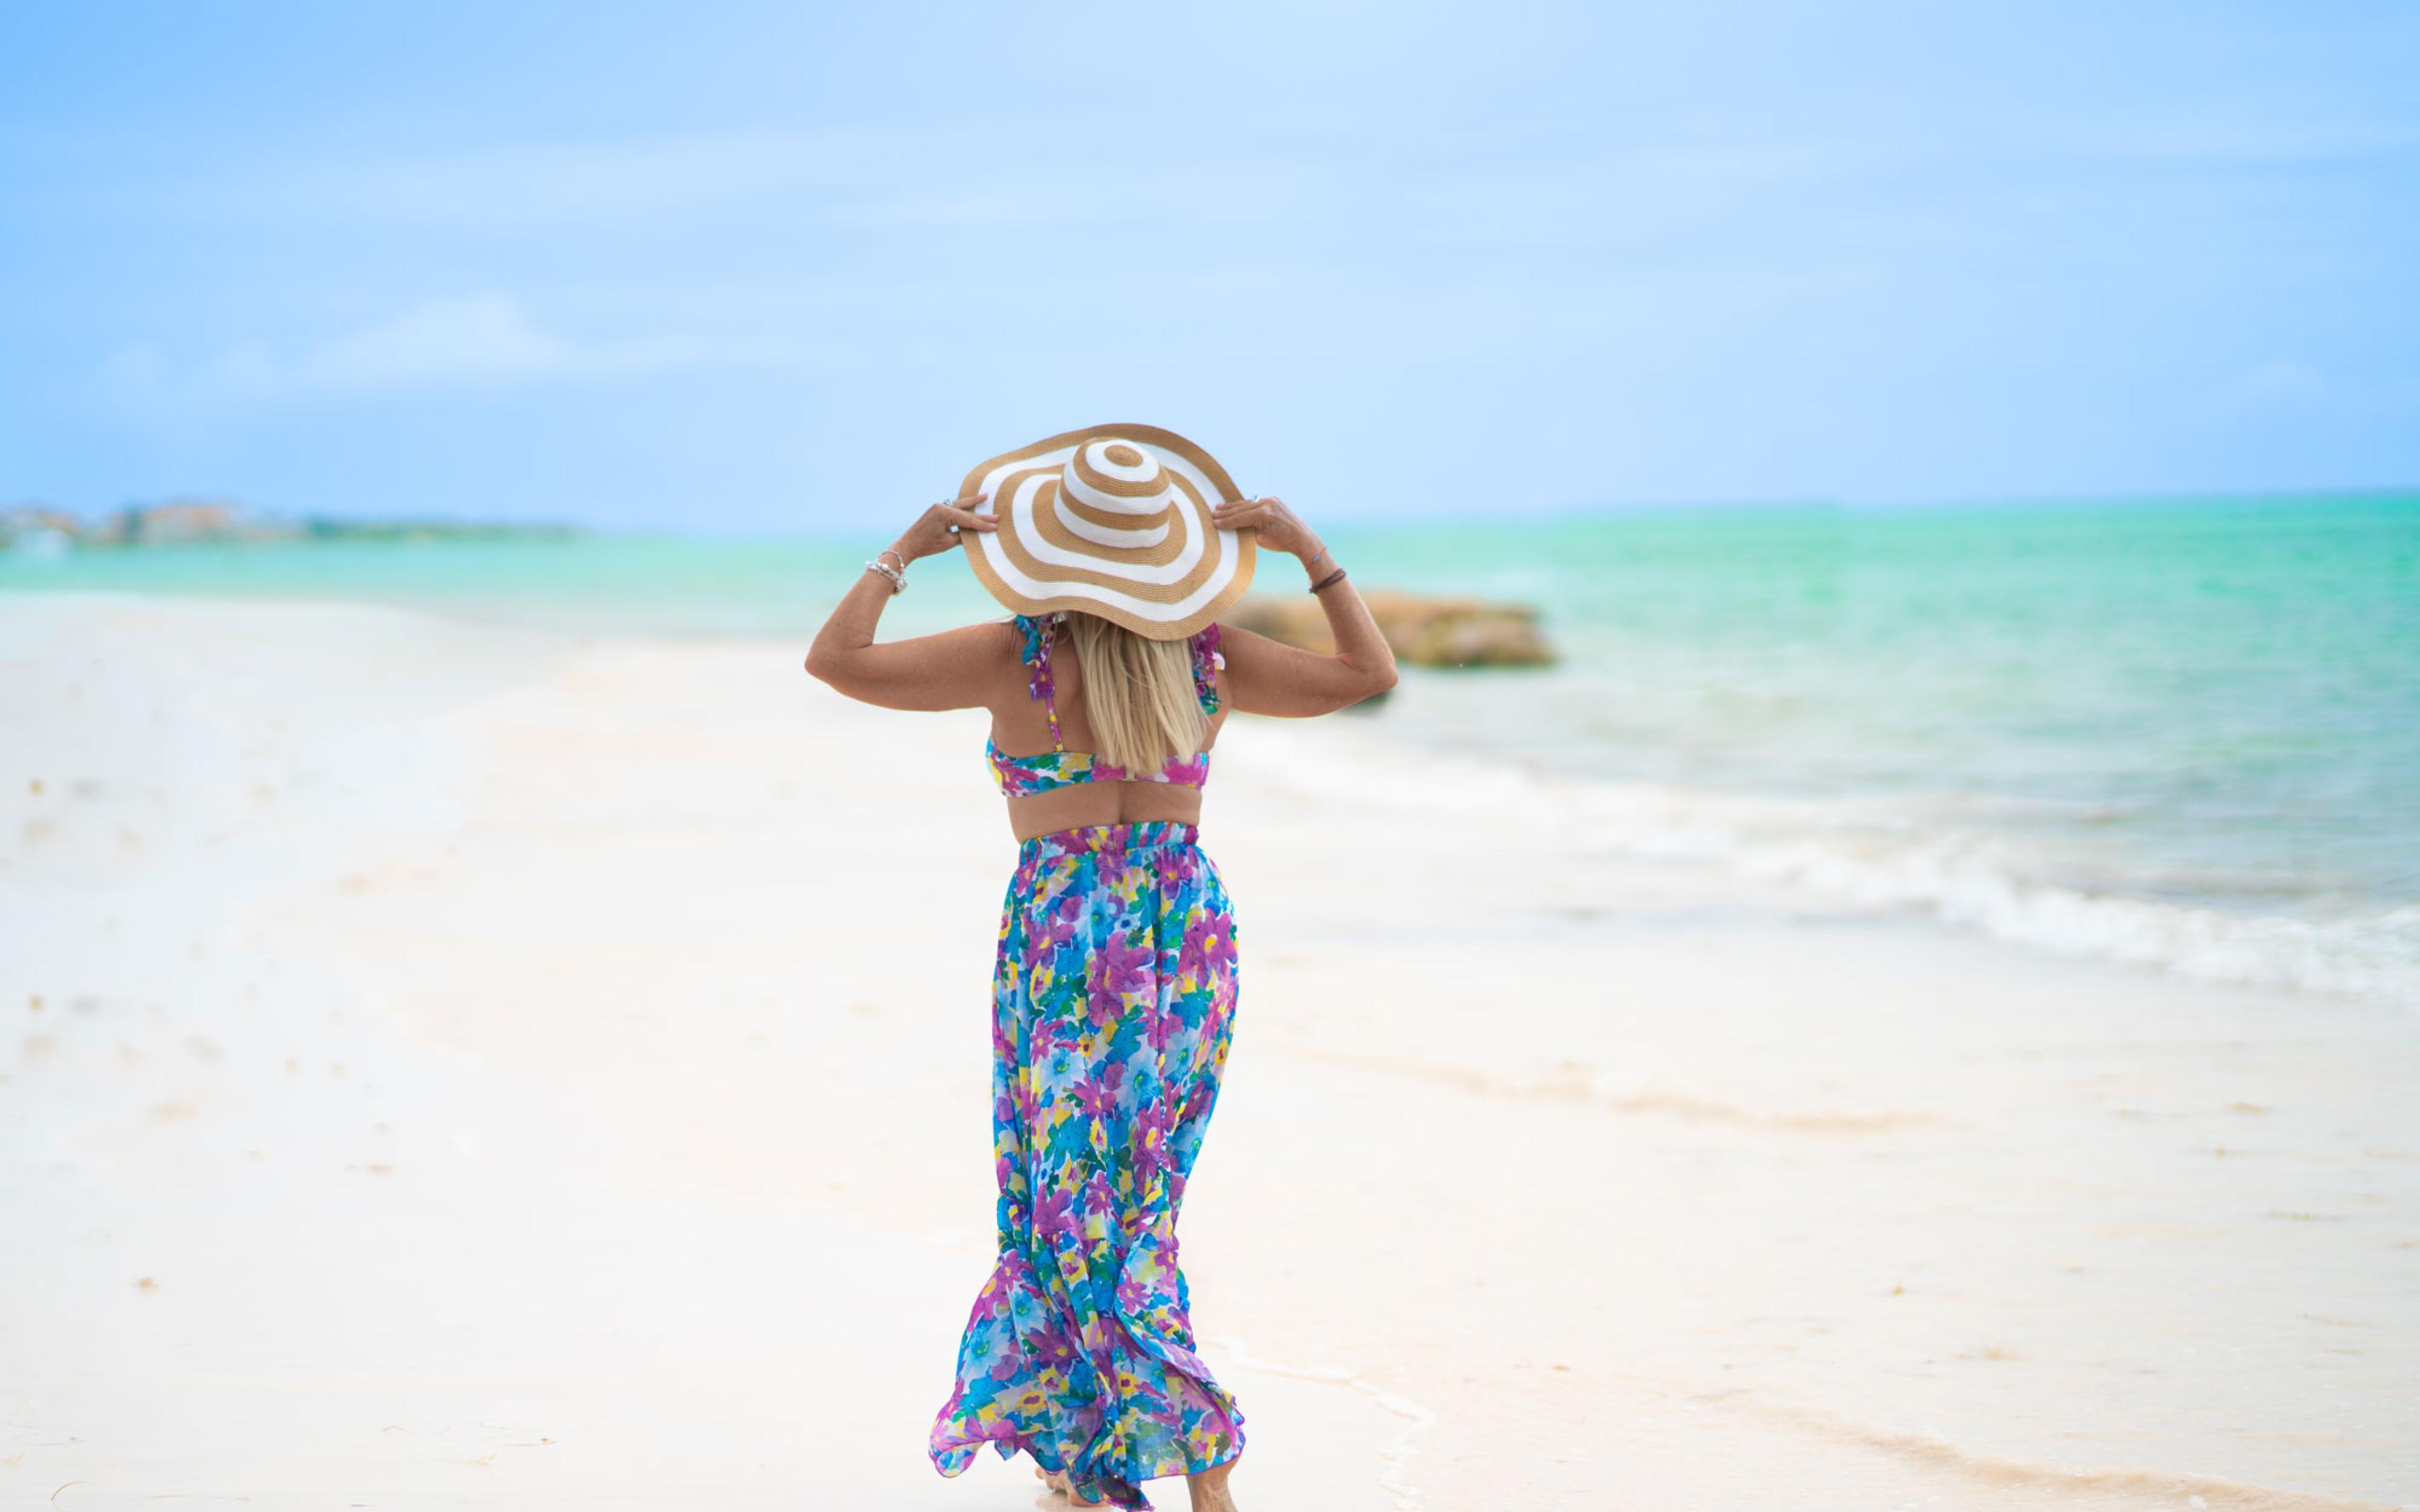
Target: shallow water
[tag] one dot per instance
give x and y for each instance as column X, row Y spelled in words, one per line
column 2184, row 732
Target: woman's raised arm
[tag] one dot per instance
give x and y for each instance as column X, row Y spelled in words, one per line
column 954, row 670
column 1265, row 676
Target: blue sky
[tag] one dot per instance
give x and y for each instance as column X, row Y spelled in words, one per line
column 746, row 269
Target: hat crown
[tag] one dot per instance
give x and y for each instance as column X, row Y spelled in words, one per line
column 1114, row 493
column 1118, row 476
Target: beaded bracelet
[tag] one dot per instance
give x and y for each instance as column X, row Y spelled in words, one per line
column 898, row 579
column 1338, row 576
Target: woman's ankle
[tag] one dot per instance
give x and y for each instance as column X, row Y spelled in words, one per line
column 1208, row 1488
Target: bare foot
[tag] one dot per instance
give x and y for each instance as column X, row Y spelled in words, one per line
column 1057, row 1480
column 1208, row 1489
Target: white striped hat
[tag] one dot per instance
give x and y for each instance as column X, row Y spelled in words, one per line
column 1113, row 520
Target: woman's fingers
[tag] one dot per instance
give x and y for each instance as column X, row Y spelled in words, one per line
column 937, row 528
column 1252, row 514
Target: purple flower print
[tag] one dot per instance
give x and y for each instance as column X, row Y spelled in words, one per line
column 1160, row 1027
column 1052, row 1346
column 1127, row 965
column 1099, row 1093
column 1148, row 1149
column 1100, row 1202
column 1059, row 925
column 1208, row 945
column 1118, row 968
column 1054, row 1214
column 1134, row 1298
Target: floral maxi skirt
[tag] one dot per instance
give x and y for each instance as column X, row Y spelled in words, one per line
column 1112, row 1005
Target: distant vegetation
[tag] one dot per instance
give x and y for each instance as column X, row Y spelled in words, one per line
column 204, row 521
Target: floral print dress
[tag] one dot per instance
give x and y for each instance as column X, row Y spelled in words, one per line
column 1113, row 1001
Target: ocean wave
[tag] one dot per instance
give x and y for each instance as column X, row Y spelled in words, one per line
column 1396, row 1452
column 1878, row 855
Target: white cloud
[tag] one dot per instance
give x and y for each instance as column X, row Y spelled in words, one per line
column 486, row 338
column 477, row 342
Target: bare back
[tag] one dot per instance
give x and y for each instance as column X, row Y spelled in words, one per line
column 1020, row 727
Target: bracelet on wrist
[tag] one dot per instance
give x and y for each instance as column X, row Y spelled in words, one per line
column 1333, row 578
column 898, row 579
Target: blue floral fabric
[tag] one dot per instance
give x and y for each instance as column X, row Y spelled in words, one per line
column 1113, row 1005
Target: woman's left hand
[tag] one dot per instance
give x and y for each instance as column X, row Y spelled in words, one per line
column 1280, row 529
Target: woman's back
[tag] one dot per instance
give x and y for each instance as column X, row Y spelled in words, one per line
column 1054, row 766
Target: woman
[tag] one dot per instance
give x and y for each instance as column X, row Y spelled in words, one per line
column 1114, row 991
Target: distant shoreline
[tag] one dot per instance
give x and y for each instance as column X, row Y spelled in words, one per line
column 214, row 522
column 38, row 529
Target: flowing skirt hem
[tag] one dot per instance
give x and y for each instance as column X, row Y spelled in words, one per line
column 1117, row 1467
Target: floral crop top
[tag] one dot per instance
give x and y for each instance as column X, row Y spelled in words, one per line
column 1021, row 776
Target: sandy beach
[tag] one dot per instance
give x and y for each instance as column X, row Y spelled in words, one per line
column 465, row 1065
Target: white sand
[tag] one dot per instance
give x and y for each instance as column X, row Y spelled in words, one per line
column 474, row 1067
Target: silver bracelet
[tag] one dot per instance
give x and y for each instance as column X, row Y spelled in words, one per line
column 898, row 579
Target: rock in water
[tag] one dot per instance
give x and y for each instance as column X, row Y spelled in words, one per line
column 1447, row 630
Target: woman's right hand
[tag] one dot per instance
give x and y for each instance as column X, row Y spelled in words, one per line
column 936, row 530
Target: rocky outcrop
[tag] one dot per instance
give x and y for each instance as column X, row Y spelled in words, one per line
column 1424, row 630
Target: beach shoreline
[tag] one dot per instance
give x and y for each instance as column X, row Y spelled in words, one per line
column 422, row 1002
column 2177, row 734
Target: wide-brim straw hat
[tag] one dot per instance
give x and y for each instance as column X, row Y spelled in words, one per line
column 1112, row 521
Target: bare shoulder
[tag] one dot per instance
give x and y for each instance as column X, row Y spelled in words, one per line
column 996, row 646
column 987, row 642
column 1000, row 647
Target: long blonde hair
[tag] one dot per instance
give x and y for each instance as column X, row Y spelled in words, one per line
column 1138, row 694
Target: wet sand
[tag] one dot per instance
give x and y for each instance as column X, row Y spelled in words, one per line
column 460, row 1065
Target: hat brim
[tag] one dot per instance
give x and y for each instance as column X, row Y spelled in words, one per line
column 1035, row 567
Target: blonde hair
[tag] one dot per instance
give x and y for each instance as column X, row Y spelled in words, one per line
column 1138, row 694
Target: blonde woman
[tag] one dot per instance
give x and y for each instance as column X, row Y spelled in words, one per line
column 1113, row 997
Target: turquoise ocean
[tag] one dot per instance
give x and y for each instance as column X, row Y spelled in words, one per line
column 2182, row 733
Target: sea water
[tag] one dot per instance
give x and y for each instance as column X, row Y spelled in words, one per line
column 2182, row 733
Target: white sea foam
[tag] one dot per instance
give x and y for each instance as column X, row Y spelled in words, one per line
column 1397, row 1452
column 1872, row 853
